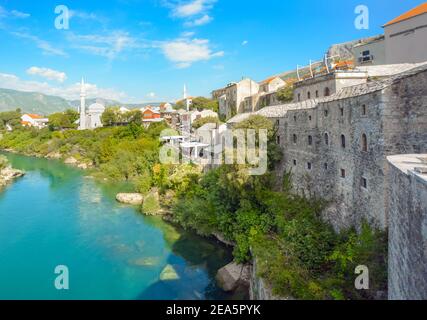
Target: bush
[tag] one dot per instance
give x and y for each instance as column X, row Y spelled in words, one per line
column 151, row 205
column 3, row 162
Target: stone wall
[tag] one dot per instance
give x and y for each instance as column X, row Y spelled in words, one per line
column 407, row 228
column 324, row 146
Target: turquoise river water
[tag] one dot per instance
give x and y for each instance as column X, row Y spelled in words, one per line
column 56, row 215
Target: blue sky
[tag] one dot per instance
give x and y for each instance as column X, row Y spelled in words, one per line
column 145, row 50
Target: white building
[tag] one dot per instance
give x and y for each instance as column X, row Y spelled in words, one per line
column 90, row 118
column 406, row 37
column 34, row 120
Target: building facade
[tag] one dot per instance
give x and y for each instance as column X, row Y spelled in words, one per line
column 405, row 37
column 336, row 147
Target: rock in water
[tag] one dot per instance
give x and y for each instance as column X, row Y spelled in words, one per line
column 169, row 273
column 8, row 174
column 71, row 161
column 233, row 275
column 130, row 198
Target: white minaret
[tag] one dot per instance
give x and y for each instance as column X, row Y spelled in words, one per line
column 187, row 102
column 82, row 106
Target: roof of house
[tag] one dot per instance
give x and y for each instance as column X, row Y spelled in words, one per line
column 33, row 116
column 422, row 8
column 269, row 80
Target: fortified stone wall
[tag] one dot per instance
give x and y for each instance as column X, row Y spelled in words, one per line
column 337, row 149
column 407, row 228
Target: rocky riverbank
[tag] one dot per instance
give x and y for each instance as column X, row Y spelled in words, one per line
column 7, row 173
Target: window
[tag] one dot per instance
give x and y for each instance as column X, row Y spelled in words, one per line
column 364, row 183
column 278, row 139
column 326, row 112
column 317, row 93
column 309, row 95
column 278, row 123
column 295, row 118
column 327, row 139
column 299, row 96
column 327, row 92
column 310, row 140
column 309, row 165
column 342, row 111
column 325, row 166
column 342, row 173
column 309, row 118
column 343, row 141
column 364, row 110
column 366, row 53
column 294, row 138
column 295, row 162
column 364, row 143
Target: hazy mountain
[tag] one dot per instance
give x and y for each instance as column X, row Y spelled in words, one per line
column 31, row 102
column 44, row 104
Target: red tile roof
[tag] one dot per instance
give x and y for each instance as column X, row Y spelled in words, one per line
column 422, row 8
column 34, row 116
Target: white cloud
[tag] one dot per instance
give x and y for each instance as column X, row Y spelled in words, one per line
column 108, row 46
column 244, row 43
column 151, row 95
column 189, row 9
column 13, row 14
column 199, row 22
column 48, row 73
column 195, row 12
column 184, row 52
column 19, row 14
column 46, row 47
column 71, row 92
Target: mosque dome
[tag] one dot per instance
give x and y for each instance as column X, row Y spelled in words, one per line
column 96, row 107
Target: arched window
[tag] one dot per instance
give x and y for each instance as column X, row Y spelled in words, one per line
column 327, row 139
column 364, row 143
column 309, row 95
column 317, row 93
column 327, row 92
column 299, row 96
column 364, row 109
column 343, row 141
column 294, row 138
column 310, row 140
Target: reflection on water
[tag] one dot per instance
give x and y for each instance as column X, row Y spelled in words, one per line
column 55, row 215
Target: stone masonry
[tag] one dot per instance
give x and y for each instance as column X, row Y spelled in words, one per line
column 407, row 184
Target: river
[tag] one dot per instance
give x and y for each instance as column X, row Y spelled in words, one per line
column 57, row 215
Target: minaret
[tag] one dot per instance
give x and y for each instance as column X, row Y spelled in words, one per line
column 82, row 106
column 187, row 102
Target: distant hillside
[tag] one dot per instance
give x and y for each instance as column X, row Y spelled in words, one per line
column 31, row 102
column 43, row 104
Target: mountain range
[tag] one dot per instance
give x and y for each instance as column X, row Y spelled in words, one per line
column 34, row 102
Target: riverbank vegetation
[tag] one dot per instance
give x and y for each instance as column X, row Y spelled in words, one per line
column 299, row 254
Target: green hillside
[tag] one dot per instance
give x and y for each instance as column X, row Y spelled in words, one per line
column 31, row 102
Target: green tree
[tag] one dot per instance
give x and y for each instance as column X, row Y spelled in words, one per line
column 63, row 120
column 12, row 118
column 286, row 94
column 110, row 117
column 202, row 121
column 202, row 103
